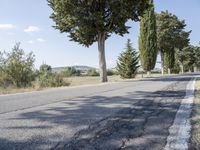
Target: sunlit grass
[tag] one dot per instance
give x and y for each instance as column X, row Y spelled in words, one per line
column 74, row 81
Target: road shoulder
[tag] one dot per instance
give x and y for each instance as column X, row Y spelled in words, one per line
column 179, row 132
column 195, row 134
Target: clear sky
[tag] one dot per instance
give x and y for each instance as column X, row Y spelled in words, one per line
column 28, row 22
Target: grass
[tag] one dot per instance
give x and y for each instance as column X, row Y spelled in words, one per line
column 195, row 137
column 74, row 81
column 11, row 90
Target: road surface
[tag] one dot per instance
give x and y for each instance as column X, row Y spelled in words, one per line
column 134, row 114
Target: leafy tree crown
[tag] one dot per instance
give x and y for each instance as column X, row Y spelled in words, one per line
column 85, row 19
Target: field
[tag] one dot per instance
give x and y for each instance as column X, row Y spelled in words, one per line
column 74, row 81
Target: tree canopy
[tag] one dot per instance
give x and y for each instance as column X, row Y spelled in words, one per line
column 84, row 20
column 88, row 21
column 170, row 35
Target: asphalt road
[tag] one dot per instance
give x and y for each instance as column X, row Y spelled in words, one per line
column 125, row 115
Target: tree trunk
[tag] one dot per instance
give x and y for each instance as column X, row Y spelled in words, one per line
column 182, row 69
column 162, row 62
column 148, row 73
column 195, row 69
column 169, row 71
column 102, row 59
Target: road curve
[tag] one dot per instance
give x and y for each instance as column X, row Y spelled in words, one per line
column 133, row 114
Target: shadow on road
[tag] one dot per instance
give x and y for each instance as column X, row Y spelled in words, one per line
column 138, row 120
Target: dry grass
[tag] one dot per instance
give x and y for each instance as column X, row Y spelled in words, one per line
column 11, row 90
column 195, row 138
column 74, row 81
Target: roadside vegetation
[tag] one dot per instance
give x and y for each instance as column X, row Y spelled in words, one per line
column 161, row 34
column 195, row 138
column 18, row 73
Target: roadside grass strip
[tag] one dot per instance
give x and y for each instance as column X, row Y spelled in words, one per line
column 195, row 137
column 179, row 132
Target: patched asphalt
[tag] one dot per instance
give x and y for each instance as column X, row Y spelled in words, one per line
column 125, row 115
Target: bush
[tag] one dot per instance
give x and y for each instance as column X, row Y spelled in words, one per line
column 110, row 72
column 52, row 80
column 49, row 79
column 92, row 72
column 71, row 71
column 16, row 68
column 4, row 80
column 176, row 69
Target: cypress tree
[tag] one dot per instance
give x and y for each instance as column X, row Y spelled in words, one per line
column 127, row 64
column 148, row 39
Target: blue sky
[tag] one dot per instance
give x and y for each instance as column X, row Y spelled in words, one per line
column 28, row 22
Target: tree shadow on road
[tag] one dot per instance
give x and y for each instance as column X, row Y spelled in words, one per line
column 138, row 120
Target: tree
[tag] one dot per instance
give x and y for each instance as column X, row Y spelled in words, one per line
column 71, row 71
column 170, row 33
column 90, row 21
column 188, row 57
column 19, row 67
column 92, row 72
column 182, row 41
column 47, row 78
column 197, row 57
column 148, row 39
column 127, row 64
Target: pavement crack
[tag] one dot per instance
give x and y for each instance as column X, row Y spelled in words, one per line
column 147, row 120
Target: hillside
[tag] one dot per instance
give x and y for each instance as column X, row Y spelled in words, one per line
column 81, row 68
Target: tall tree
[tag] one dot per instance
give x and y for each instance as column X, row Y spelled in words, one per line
column 127, row 64
column 90, row 21
column 148, row 39
column 169, row 31
column 182, row 42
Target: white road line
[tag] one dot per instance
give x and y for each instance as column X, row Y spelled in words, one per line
column 179, row 132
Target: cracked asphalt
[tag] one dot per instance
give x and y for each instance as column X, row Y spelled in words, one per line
column 134, row 114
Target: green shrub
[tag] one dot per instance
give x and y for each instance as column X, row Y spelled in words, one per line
column 70, row 71
column 4, row 80
column 16, row 67
column 92, row 72
column 49, row 79
column 110, row 72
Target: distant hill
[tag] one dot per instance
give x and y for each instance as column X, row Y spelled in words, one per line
column 81, row 68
